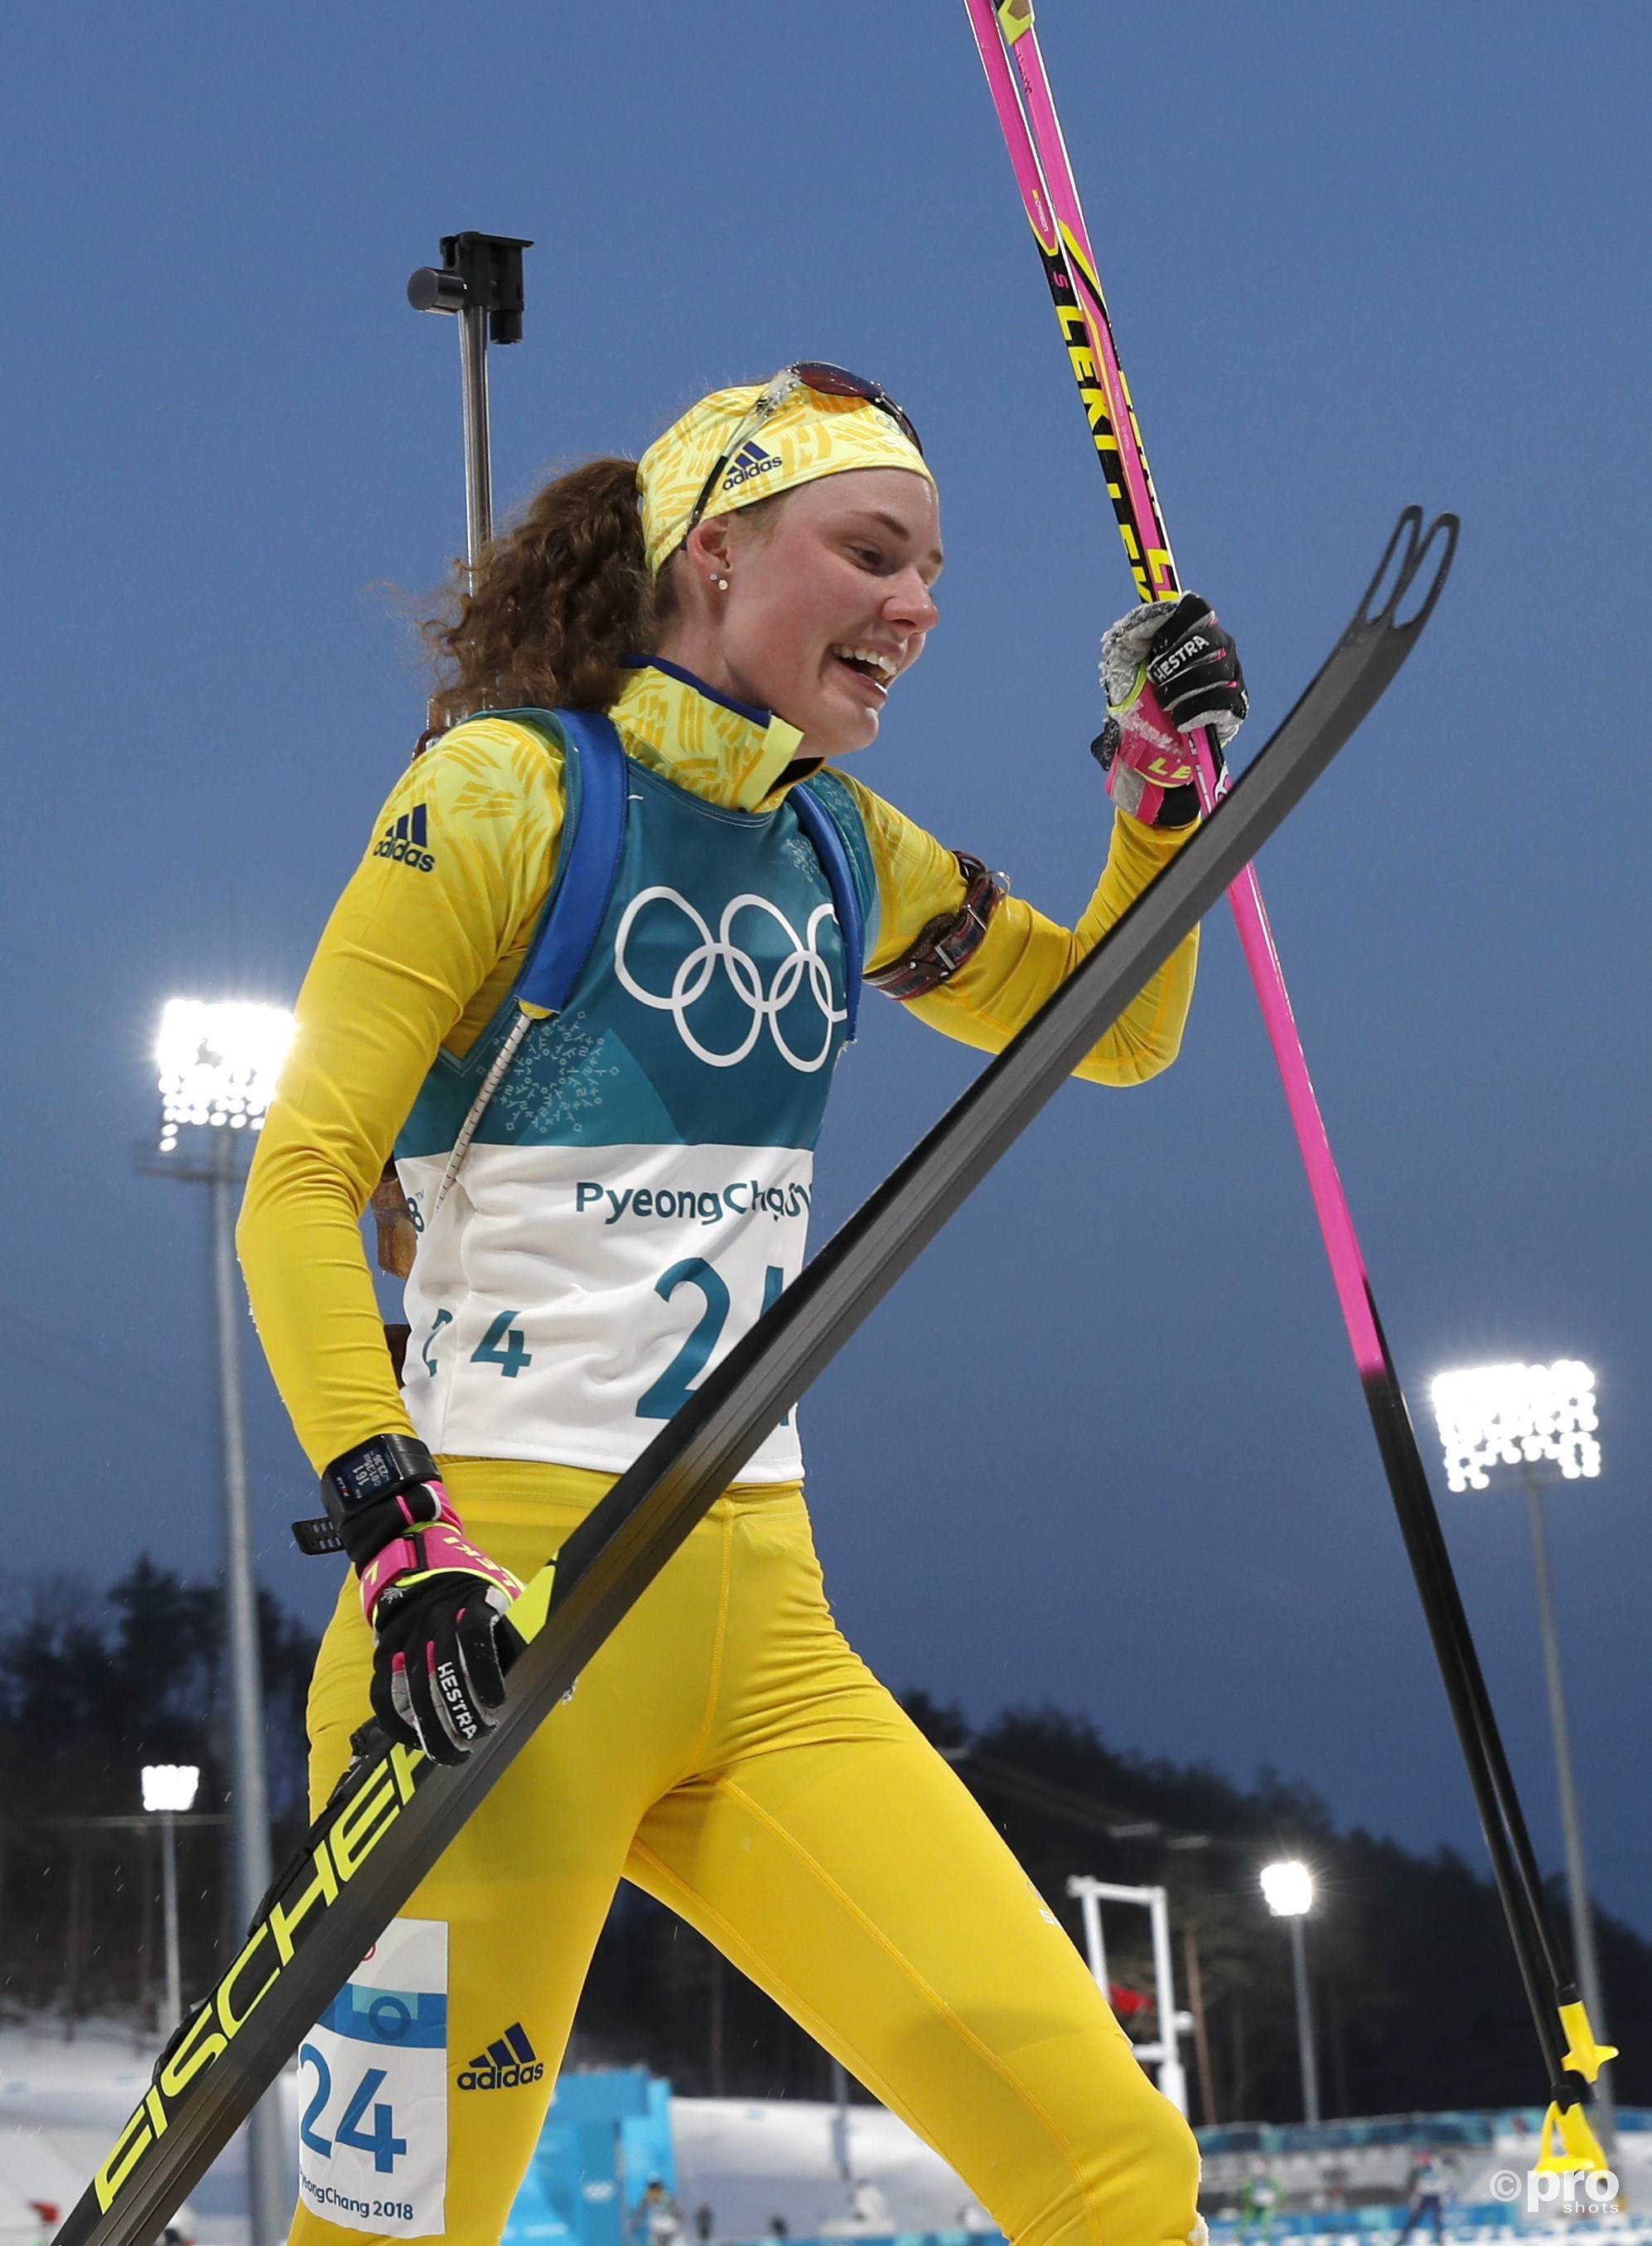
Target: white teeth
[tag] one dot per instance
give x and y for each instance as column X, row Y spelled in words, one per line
column 883, row 663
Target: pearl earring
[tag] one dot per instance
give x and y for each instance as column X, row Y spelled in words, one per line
column 722, row 584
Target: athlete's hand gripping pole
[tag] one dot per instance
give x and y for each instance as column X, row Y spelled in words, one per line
column 480, row 278
column 1170, row 674
column 1043, row 171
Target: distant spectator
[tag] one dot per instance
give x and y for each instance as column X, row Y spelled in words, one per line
column 1430, row 2184
column 702, row 2223
column 659, row 2219
column 1257, row 2200
column 868, row 2208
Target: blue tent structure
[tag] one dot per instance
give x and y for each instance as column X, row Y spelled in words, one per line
column 606, row 2135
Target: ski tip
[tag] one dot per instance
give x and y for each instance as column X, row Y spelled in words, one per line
column 1401, row 567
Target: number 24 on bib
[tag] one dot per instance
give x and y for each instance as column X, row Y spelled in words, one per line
column 372, row 2152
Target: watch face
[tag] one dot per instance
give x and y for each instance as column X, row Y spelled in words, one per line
column 388, row 1463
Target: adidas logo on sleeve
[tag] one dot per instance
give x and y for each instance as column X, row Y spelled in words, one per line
column 503, row 2065
column 751, row 460
column 407, row 839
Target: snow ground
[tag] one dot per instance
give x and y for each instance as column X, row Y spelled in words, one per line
column 748, row 2161
column 61, row 2103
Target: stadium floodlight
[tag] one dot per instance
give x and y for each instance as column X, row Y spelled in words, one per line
column 1511, row 1415
column 1288, row 1888
column 1532, row 1417
column 218, row 1064
column 170, row 1785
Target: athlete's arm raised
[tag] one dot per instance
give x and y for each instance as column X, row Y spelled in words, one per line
column 420, row 950
column 1166, row 669
column 1025, row 956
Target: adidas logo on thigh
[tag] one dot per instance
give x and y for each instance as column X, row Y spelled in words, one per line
column 503, row 2065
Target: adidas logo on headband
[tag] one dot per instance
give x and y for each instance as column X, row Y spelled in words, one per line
column 751, row 460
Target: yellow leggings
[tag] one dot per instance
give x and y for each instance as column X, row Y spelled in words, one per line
column 727, row 1751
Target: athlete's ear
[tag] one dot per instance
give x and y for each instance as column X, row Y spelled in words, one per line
column 706, row 550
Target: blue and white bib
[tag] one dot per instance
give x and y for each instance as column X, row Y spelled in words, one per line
column 637, row 1192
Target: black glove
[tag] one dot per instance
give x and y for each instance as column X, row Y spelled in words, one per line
column 438, row 1604
column 1195, row 671
column 443, row 1645
column 1165, row 673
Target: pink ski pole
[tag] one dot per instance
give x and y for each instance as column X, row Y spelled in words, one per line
column 1038, row 153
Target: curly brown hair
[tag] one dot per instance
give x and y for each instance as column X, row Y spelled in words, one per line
column 550, row 611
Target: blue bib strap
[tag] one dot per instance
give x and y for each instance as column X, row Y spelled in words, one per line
column 587, row 862
column 595, row 796
column 821, row 828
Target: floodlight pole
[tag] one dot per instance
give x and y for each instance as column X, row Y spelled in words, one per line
column 1577, row 1882
column 169, row 1919
column 220, row 1169
column 249, row 1783
column 1297, row 1923
column 840, row 2125
column 480, row 279
column 250, row 1790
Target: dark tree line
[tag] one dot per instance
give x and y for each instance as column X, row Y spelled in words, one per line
column 93, row 1685
column 1417, row 2002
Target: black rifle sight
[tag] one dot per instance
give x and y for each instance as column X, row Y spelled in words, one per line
column 479, row 273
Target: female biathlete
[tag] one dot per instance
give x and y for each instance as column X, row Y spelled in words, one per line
column 739, row 603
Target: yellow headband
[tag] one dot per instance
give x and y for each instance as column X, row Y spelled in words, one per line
column 808, row 435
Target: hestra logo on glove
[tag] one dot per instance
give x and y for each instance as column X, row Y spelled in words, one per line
column 1166, row 669
column 454, row 1699
column 504, row 2065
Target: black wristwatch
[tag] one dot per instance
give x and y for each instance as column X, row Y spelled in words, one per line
column 358, row 1479
column 375, row 1469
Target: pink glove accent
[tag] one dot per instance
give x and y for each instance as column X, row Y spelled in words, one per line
column 439, row 1546
column 1152, row 758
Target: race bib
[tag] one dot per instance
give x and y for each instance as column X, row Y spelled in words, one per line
column 372, row 2145
column 567, row 1301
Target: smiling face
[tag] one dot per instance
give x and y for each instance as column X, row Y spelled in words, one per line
column 829, row 600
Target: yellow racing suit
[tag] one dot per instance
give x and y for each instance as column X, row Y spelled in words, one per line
column 726, row 1749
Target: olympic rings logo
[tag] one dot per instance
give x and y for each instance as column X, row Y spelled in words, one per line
column 802, row 965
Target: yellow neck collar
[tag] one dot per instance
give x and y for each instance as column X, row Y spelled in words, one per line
column 725, row 751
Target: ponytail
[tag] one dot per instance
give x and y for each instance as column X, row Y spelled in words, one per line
column 551, row 611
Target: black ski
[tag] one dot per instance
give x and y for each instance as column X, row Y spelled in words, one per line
column 395, row 1812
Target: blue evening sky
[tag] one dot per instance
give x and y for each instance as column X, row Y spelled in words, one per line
column 1105, row 1445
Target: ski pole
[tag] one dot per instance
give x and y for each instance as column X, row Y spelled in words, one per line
column 394, row 1812
column 1038, row 154
column 480, row 278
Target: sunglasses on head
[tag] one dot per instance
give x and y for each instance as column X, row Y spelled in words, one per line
column 827, row 381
